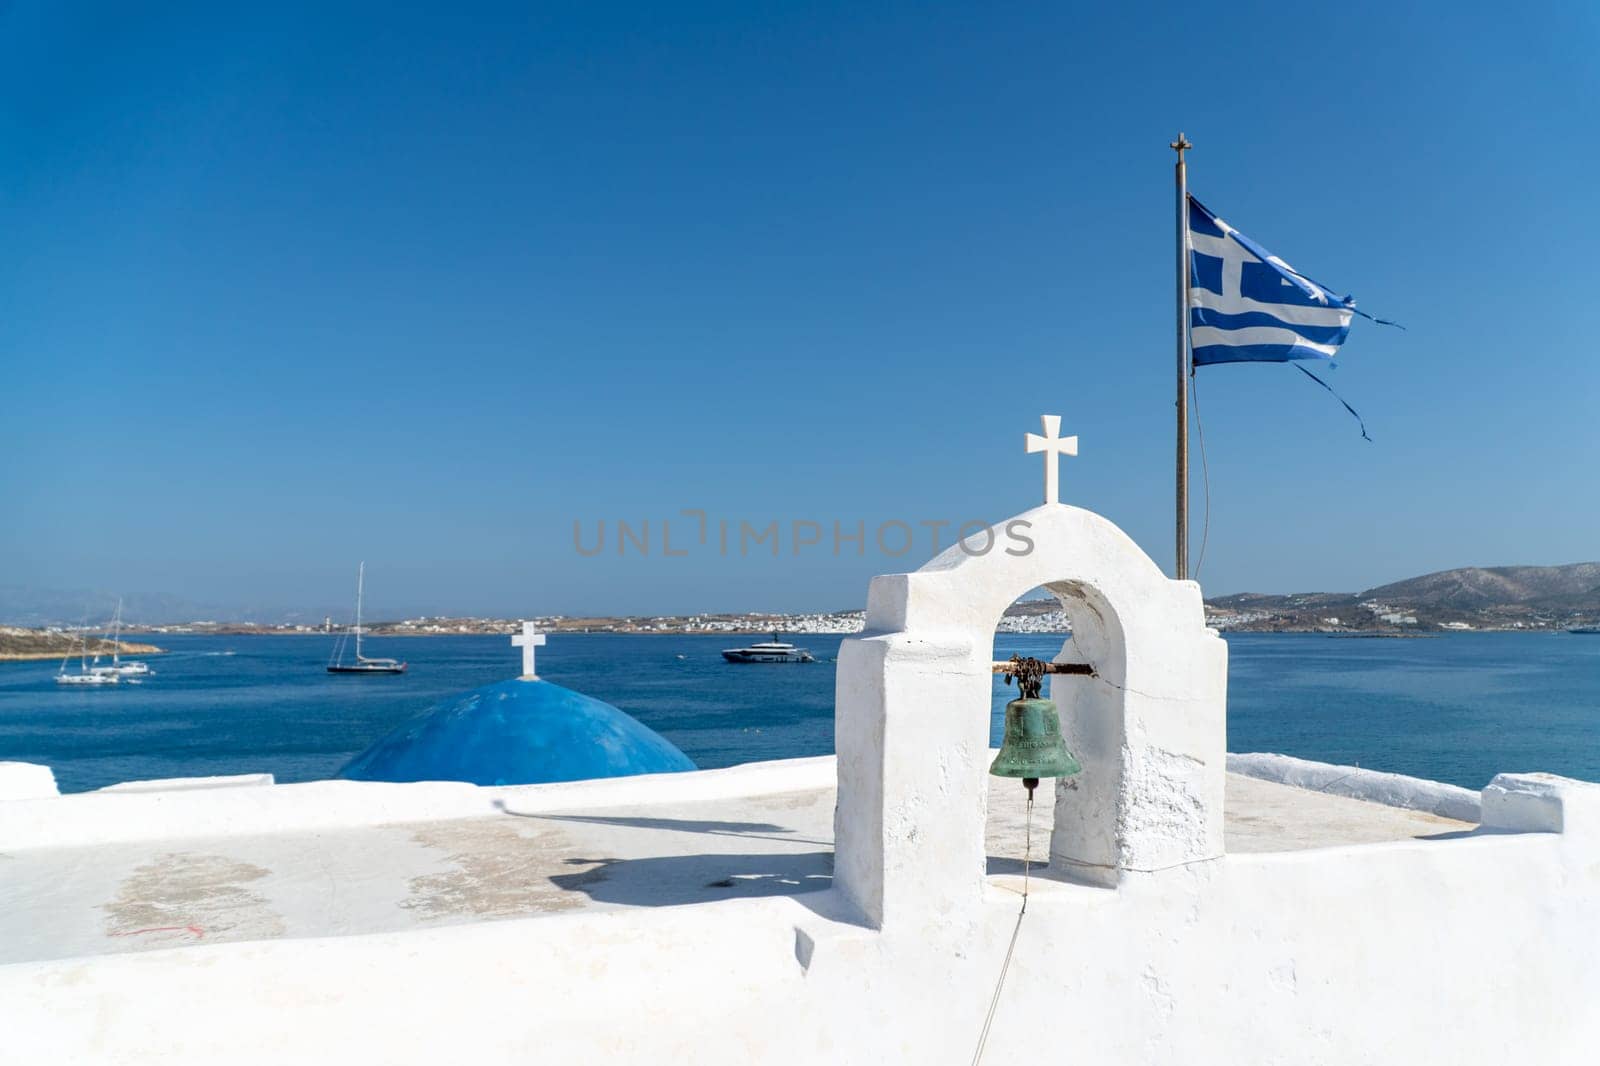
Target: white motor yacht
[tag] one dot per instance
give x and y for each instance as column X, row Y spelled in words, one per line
column 772, row 651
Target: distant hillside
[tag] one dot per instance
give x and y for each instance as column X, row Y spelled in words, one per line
column 20, row 644
column 1575, row 585
column 1472, row 597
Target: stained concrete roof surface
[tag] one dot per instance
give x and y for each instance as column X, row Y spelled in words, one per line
column 68, row 902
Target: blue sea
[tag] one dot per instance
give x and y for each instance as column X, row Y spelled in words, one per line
column 1456, row 708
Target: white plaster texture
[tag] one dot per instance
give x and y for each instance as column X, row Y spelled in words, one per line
column 26, row 780
column 1376, row 786
column 1542, row 803
column 174, row 784
column 85, row 819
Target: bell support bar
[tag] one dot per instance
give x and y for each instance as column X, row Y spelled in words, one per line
column 1083, row 669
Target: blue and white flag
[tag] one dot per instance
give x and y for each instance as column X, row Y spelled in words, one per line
column 1247, row 305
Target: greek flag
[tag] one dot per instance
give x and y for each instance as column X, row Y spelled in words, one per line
column 1247, row 305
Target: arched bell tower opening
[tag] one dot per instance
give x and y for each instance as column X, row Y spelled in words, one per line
column 1085, row 663
column 912, row 719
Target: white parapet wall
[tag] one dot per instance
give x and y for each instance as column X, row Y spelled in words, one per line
column 1376, row 786
column 126, row 813
column 177, row 784
column 1539, row 803
column 26, row 781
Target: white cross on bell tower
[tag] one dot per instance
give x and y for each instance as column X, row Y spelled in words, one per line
column 1054, row 446
column 527, row 640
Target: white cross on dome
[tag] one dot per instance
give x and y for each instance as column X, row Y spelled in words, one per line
column 529, row 639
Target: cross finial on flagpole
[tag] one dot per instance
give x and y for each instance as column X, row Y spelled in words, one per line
column 1179, row 145
column 1054, row 446
column 529, row 639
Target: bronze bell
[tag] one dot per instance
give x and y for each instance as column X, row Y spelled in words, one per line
column 1032, row 747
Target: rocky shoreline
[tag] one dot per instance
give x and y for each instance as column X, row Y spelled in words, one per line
column 29, row 645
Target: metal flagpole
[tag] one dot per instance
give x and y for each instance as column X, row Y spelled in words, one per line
column 1182, row 176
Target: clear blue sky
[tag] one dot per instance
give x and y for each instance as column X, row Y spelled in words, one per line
column 286, row 286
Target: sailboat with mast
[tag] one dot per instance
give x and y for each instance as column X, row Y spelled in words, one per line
column 133, row 668
column 94, row 673
column 362, row 664
column 85, row 675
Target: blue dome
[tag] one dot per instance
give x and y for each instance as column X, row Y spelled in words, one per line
column 517, row 733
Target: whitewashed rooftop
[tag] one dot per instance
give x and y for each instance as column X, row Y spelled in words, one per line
column 517, row 861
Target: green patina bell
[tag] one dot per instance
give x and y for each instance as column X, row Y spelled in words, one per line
column 1033, row 747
